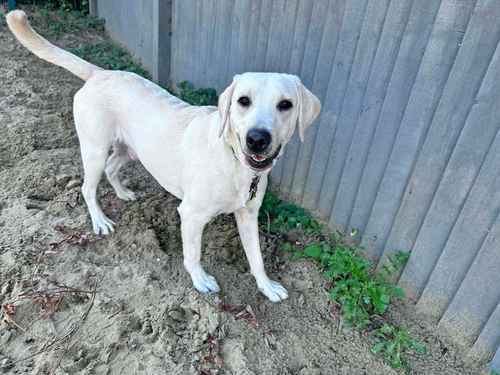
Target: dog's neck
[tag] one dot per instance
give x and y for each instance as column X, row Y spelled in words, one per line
column 244, row 176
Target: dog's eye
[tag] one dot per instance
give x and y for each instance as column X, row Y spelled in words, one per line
column 244, row 101
column 285, row 105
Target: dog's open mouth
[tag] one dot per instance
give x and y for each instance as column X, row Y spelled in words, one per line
column 260, row 162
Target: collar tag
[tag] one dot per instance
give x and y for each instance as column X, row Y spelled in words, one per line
column 253, row 187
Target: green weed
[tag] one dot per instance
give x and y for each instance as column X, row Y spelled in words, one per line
column 361, row 293
column 196, row 96
column 392, row 342
column 281, row 217
column 58, row 22
column 109, row 55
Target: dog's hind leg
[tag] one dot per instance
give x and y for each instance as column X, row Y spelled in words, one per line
column 95, row 133
column 94, row 161
column 118, row 159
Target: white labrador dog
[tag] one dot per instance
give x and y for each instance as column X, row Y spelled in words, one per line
column 216, row 160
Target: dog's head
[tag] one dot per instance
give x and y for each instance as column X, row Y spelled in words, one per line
column 259, row 113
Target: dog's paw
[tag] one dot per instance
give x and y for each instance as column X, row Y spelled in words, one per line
column 273, row 290
column 126, row 194
column 103, row 225
column 204, row 283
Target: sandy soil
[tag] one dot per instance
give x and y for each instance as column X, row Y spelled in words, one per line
column 134, row 311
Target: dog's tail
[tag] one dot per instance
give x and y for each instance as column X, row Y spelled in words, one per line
column 20, row 27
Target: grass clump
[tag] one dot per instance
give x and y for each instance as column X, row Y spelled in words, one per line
column 363, row 295
column 61, row 21
column 392, row 342
column 196, row 96
column 280, row 216
column 109, row 55
column 66, row 5
column 360, row 292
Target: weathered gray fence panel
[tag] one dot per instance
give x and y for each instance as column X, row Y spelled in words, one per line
column 426, row 92
column 138, row 26
column 407, row 147
column 351, row 107
column 438, row 231
column 325, row 129
column 310, row 56
column 458, row 97
column 383, row 65
column 285, row 168
column 415, row 38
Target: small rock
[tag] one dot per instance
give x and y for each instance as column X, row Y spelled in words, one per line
column 6, row 289
column 178, row 315
column 73, row 183
column 62, row 179
column 293, row 236
column 270, row 341
column 29, row 340
column 309, row 371
column 6, row 364
column 5, row 337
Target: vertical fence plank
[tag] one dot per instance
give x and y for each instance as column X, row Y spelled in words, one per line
column 366, row 120
column 351, row 30
column 415, row 38
column 478, row 294
column 481, row 206
column 351, row 107
column 432, row 76
column 459, row 96
column 323, row 131
column 283, row 172
column 488, row 340
column 309, row 58
column 438, row 232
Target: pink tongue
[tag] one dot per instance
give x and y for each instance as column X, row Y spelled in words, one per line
column 258, row 157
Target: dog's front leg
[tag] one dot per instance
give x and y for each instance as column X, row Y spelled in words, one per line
column 192, row 224
column 246, row 218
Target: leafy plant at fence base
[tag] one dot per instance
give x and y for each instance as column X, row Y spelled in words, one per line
column 196, row 96
column 109, row 55
column 392, row 342
column 286, row 216
column 65, row 5
column 361, row 293
column 59, row 22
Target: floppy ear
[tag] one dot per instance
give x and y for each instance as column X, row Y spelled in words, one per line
column 224, row 106
column 309, row 107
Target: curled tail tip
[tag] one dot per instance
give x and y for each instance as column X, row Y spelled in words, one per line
column 16, row 17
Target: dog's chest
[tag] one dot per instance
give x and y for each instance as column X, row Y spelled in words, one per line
column 239, row 193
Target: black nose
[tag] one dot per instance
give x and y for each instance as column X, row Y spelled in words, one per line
column 258, row 140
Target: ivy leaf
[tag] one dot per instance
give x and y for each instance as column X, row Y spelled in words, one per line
column 313, row 251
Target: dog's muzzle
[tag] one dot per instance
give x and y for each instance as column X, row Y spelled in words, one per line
column 259, row 162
